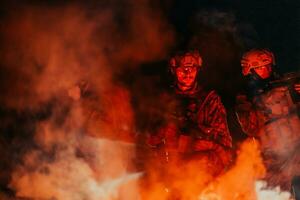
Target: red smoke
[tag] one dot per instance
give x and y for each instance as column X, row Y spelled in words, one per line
column 84, row 149
column 49, row 51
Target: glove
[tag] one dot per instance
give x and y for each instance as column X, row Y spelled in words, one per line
column 74, row 93
column 154, row 140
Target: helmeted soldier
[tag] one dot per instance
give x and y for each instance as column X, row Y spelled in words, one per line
column 197, row 122
column 269, row 112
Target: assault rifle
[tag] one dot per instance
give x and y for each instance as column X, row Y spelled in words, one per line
column 289, row 80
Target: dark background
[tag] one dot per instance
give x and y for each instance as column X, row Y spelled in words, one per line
column 257, row 23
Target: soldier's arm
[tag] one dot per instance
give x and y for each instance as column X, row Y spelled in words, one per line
column 216, row 122
column 247, row 116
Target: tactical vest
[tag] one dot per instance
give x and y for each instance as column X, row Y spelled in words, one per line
column 186, row 112
column 281, row 130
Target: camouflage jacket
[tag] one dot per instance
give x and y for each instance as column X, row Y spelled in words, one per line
column 200, row 115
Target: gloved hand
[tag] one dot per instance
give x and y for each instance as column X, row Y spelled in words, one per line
column 154, row 140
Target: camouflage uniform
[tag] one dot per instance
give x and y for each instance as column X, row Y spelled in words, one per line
column 272, row 116
column 197, row 127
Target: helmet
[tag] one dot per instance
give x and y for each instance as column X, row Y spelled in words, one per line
column 256, row 58
column 188, row 59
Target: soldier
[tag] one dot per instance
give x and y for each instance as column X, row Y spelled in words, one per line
column 270, row 112
column 197, row 125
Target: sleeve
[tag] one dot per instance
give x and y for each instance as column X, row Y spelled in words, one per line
column 247, row 116
column 213, row 120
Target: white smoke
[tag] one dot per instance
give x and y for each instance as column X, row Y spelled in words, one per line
column 85, row 168
column 264, row 193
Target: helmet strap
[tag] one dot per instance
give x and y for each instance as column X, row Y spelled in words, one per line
column 254, row 76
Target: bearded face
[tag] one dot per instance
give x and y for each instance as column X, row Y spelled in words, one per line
column 186, row 76
column 185, row 68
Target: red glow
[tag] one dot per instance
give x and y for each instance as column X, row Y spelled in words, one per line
column 186, row 76
column 263, row 71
